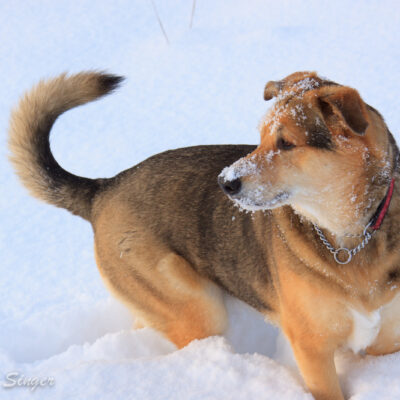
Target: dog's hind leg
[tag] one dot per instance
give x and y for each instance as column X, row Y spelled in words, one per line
column 164, row 292
column 195, row 307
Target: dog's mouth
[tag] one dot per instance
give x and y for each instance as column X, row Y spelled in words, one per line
column 256, row 204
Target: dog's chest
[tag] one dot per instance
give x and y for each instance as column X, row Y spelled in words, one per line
column 366, row 326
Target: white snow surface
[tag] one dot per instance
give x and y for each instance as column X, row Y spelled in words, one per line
column 204, row 87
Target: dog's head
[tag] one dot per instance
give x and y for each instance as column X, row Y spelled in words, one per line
column 323, row 151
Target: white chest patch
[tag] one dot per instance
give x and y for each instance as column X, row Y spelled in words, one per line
column 366, row 326
column 365, row 329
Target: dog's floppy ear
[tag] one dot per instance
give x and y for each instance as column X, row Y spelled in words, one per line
column 292, row 82
column 344, row 104
column 272, row 89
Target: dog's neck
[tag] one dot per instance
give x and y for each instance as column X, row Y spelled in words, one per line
column 356, row 233
column 384, row 214
column 342, row 217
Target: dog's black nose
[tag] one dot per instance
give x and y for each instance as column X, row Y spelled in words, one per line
column 230, row 187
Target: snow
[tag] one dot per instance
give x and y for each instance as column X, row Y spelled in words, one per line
column 57, row 320
column 239, row 169
column 280, row 107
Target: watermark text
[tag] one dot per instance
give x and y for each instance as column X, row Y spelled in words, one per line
column 16, row 379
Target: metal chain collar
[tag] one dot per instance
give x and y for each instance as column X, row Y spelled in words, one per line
column 367, row 236
column 350, row 252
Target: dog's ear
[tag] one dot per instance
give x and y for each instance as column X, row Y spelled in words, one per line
column 344, row 105
column 291, row 83
column 272, row 89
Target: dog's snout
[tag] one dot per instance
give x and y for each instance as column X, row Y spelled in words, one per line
column 230, row 187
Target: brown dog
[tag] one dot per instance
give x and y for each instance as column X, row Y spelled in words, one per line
column 320, row 258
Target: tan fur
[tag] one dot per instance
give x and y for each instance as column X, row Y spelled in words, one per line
column 160, row 288
column 167, row 239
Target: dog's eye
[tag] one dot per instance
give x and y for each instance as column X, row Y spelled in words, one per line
column 283, row 144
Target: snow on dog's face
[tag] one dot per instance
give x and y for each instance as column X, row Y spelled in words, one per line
column 322, row 151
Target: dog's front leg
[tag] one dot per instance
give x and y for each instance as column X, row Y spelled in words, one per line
column 314, row 342
column 318, row 369
column 316, row 324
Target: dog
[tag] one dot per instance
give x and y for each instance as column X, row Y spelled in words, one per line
column 305, row 228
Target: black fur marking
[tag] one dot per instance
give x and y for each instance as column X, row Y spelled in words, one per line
column 81, row 190
column 320, row 137
column 394, row 275
column 108, row 82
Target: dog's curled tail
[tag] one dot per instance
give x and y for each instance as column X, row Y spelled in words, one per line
column 30, row 127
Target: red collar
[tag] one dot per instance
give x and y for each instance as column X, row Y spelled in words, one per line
column 380, row 213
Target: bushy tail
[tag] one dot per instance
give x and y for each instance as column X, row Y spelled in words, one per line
column 30, row 127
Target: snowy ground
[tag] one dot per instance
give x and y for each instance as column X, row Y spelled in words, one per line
column 56, row 318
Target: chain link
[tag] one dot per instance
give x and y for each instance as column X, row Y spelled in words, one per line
column 351, row 252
